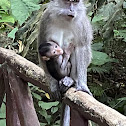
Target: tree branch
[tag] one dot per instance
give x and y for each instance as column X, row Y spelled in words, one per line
column 93, row 110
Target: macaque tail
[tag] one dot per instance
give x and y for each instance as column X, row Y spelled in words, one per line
column 65, row 115
column 71, row 117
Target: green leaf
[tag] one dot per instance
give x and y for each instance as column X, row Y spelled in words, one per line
column 36, row 1
column 47, row 117
column 48, row 105
column 99, row 69
column 97, row 90
column 107, row 10
column 122, row 99
column 7, row 18
column 36, row 96
column 3, row 111
column 97, row 46
column 54, row 110
column 99, row 58
column 3, row 122
column 12, row 33
column 97, row 18
column 120, row 33
column 57, row 123
column 22, row 9
column 42, row 124
column 43, row 113
column 5, row 4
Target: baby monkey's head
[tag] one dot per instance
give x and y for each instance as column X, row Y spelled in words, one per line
column 49, row 50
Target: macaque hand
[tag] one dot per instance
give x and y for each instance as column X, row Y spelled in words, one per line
column 70, row 49
column 65, row 84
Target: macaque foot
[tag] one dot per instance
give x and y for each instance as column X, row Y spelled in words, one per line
column 65, row 84
column 84, row 89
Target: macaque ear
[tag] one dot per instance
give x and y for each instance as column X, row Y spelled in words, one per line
column 45, row 58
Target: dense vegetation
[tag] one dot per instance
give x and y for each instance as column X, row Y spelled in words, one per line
column 107, row 72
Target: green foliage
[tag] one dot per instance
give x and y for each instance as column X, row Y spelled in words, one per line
column 120, row 34
column 4, row 4
column 16, row 10
column 99, row 69
column 52, row 107
column 36, row 96
column 97, row 46
column 3, row 115
column 22, row 9
column 12, row 33
column 6, row 18
column 3, row 122
column 47, row 106
column 109, row 49
column 4, row 15
column 119, row 104
column 122, row 99
column 97, row 90
column 2, row 111
column 100, row 58
column 48, row 111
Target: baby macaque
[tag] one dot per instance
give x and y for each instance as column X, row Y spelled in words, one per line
column 50, row 50
column 57, row 61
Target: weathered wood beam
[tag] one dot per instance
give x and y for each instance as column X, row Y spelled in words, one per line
column 2, row 86
column 25, row 69
column 93, row 110
column 22, row 98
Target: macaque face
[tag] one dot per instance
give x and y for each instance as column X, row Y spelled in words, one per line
column 69, row 8
column 71, row 4
column 55, row 50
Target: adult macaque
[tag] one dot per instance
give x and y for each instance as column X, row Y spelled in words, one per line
column 65, row 22
column 57, row 62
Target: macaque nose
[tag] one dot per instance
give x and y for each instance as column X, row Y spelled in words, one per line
column 71, row 7
column 59, row 51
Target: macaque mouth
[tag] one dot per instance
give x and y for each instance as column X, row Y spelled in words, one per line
column 70, row 15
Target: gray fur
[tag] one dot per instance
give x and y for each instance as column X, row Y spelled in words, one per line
column 56, row 27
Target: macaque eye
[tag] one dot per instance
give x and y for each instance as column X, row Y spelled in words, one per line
column 76, row 0
column 67, row 1
column 56, row 46
column 54, row 52
column 72, row 0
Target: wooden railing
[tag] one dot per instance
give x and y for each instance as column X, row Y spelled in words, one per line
column 16, row 72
